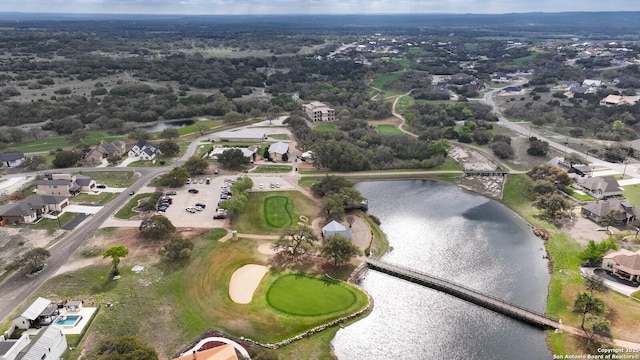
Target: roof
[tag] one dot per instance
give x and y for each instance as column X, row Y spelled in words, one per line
column 34, row 309
column 602, row 208
column 223, row 352
column 512, row 89
column 11, row 156
column 601, row 184
column 335, row 227
column 7, row 345
column 52, row 182
column 279, row 148
column 626, row 260
column 83, row 180
column 46, row 339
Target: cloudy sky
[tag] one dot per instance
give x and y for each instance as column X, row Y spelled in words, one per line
column 313, row 6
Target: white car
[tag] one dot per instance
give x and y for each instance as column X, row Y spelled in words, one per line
column 199, row 208
column 261, row 186
column 191, row 209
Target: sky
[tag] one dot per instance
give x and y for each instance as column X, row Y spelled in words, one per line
column 256, row 7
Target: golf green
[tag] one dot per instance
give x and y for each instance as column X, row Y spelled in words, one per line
column 277, row 211
column 308, row 296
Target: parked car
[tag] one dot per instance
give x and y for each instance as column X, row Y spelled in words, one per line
column 166, row 201
column 215, row 171
column 101, row 186
column 261, row 186
column 220, row 214
column 191, row 209
column 201, row 205
column 194, row 191
column 170, row 193
column 208, row 181
column 198, row 208
column 162, row 207
column 188, row 181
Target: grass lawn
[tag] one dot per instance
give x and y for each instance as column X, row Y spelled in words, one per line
column 126, row 212
column 112, row 178
column 279, row 136
column 52, row 224
column 95, row 199
column 581, row 197
column 278, row 169
column 254, row 219
column 389, row 130
column 326, row 127
column 632, row 193
column 307, row 181
column 383, row 79
column 406, row 63
column 277, row 211
column 303, row 295
column 55, row 142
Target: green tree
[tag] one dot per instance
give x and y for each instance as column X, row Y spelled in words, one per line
column 593, row 253
column 553, row 205
column 34, row 259
column 177, row 249
column 196, row 165
column 332, row 208
column 157, row 227
column 585, row 303
column 34, row 163
column 235, row 205
column 125, row 348
column 66, row 158
column 599, row 327
column 295, row 240
column 169, row 148
column 233, row 159
column 242, row 184
column 233, row 117
column 138, row 134
column 595, row 283
column 543, row 187
column 339, row 249
column 114, row 159
column 618, row 126
column 613, row 217
column 202, row 128
column 169, row 133
column 502, row 150
column 79, row 137
column 174, row 178
column 537, row 147
column 115, row 253
column 329, row 184
column 574, row 159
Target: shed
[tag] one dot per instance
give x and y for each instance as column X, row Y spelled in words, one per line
column 30, row 313
column 335, row 227
column 73, row 306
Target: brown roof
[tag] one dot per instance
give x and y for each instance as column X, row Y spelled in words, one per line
column 626, row 260
column 223, row 352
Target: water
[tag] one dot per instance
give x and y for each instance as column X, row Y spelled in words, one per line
column 70, row 320
column 447, row 232
column 168, row 125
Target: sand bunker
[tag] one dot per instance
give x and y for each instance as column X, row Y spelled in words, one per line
column 266, row 249
column 245, row 281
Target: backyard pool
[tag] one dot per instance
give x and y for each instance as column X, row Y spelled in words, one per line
column 68, row 320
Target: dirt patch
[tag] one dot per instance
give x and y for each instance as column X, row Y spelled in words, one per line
column 583, row 230
column 245, row 281
column 472, row 159
column 16, row 241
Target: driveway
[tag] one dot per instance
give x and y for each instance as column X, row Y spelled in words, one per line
column 83, row 209
column 609, row 281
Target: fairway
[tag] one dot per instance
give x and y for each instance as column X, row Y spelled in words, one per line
column 308, row 296
column 277, row 211
column 388, row 130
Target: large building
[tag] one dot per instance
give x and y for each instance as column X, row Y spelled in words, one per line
column 318, row 111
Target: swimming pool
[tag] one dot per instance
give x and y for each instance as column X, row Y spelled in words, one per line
column 68, row 320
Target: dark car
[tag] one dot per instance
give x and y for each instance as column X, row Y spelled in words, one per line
column 131, row 193
column 169, row 193
column 162, row 207
column 194, row 191
column 166, row 201
column 201, row 205
column 101, row 186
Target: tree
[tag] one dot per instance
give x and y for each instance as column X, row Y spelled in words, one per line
column 79, row 137
column 157, row 227
column 233, row 117
column 593, row 253
column 595, row 283
column 138, row 134
column 585, row 303
column 599, row 327
column 233, row 159
column 125, row 348
column 169, row 148
column 553, row 205
column 340, row 249
column 295, row 239
column 114, row 159
column 169, row 133
column 202, row 128
column 613, row 217
column 328, row 185
column 66, row 158
column 543, row 187
column 174, row 178
column 575, row 158
column 34, row 259
column 550, row 173
column 537, row 147
column 34, row 163
column 177, row 249
column 502, row 150
column 196, row 165
column 332, row 208
column 115, row 253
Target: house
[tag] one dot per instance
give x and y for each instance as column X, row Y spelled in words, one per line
column 333, row 228
column 278, row 150
column 511, row 90
column 10, row 348
column 49, row 344
column 73, row 306
column 31, row 208
column 11, row 159
column 615, row 100
column 242, row 136
column 222, row 352
column 623, row 263
column 318, row 111
column 64, row 184
column 600, row 186
column 248, row 152
column 103, row 151
column 591, row 83
column 577, row 169
column 38, row 312
column 501, row 77
column 624, row 212
column 144, row 150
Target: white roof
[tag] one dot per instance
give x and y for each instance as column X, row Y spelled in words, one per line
column 33, row 310
column 241, row 134
column 46, row 339
column 335, row 227
column 245, row 151
column 279, row 148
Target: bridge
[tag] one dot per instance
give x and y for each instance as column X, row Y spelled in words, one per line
column 494, row 172
column 500, row 306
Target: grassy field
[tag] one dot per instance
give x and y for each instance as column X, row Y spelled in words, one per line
column 277, row 211
column 95, row 199
column 389, row 130
column 326, row 127
column 632, row 193
column 383, row 79
column 126, row 212
column 303, row 295
column 279, row 136
column 253, row 219
column 112, row 178
column 52, row 224
column 277, row 169
column 54, row 142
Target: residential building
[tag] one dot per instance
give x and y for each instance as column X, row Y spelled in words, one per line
column 278, row 150
column 11, row 159
column 615, row 100
column 333, row 228
column 591, row 83
column 31, row 208
column 64, row 184
column 511, row 90
column 10, row 348
column 222, row 352
column 38, row 312
column 49, row 344
column 622, row 210
column 144, row 150
column 242, row 136
column 600, row 186
column 502, row 77
column 623, row 263
column 103, row 151
column 318, row 111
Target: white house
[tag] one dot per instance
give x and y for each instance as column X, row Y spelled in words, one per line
column 591, row 83
column 144, row 150
column 335, row 227
column 10, row 348
column 49, row 344
column 11, row 159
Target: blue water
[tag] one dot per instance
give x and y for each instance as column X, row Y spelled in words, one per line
column 168, row 125
column 448, row 232
column 69, row 321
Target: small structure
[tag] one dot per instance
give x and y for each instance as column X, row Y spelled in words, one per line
column 103, row 151
column 49, row 344
column 222, row 352
column 624, row 212
column 242, row 136
column 73, row 306
column 144, row 150
column 38, row 312
column 10, row 348
column 31, row 208
column 616, row 100
column 333, row 228
column 623, row 263
column 601, row 186
column 278, row 150
column 511, row 90
column 591, row 83
column 11, row 159
column 318, row 111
